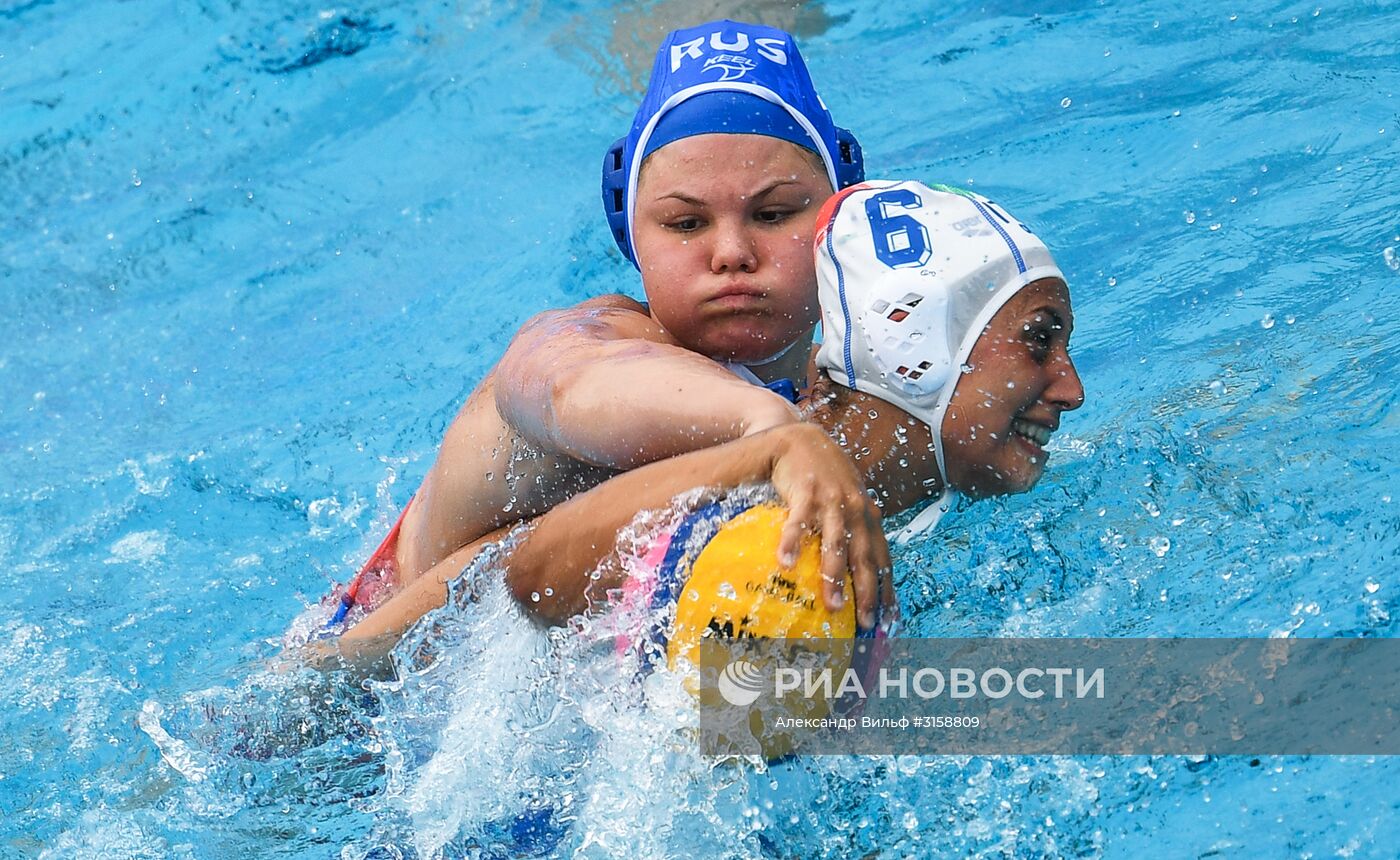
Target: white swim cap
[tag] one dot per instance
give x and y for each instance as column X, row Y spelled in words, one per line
column 909, row 276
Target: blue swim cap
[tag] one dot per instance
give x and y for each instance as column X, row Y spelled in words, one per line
column 724, row 77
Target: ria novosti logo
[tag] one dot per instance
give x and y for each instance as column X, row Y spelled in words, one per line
column 741, row 683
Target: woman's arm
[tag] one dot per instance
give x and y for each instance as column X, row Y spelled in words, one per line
column 570, row 376
column 556, row 559
column 365, row 645
column 549, row 572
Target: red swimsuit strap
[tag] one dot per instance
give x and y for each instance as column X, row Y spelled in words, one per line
column 380, row 557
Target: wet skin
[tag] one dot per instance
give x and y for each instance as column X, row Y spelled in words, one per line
column 722, row 231
column 1021, row 372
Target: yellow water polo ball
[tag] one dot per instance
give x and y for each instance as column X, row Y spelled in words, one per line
column 738, row 590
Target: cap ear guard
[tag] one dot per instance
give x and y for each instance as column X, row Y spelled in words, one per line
column 916, row 364
column 850, row 161
column 615, row 195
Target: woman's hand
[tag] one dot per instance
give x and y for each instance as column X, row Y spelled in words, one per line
column 825, row 495
column 818, row 483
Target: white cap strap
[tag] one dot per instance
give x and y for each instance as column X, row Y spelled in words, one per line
column 926, row 520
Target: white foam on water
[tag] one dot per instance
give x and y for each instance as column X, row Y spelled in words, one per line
column 495, row 718
column 140, row 547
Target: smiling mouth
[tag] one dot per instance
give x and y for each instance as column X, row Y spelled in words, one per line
column 1037, row 434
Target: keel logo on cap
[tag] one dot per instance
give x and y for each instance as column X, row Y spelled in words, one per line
column 767, row 47
column 732, row 66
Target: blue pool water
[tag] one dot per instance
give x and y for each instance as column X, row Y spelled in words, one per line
column 255, row 254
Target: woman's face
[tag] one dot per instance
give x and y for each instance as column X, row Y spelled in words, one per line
column 1005, row 408
column 722, row 232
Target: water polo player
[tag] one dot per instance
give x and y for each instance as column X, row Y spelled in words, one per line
column 946, row 369
column 713, row 195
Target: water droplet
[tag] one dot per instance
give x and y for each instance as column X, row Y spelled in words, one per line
column 1190, row 216
column 1160, row 546
column 1215, row 226
column 1290, row 319
column 1065, row 102
column 535, row 597
column 1113, row 282
column 1390, row 255
column 1267, row 321
column 1010, row 384
column 726, row 590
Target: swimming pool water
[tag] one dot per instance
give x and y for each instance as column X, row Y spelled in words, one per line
column 255, row 254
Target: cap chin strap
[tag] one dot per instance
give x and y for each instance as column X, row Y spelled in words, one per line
column 770, row 359
column 927, row 519
column 742, row 371
column 741, row 368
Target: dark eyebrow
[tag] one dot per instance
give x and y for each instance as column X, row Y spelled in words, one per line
column 684, row 198
column 766, row 189
column 774, row 185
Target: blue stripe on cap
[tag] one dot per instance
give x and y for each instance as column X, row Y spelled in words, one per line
column 727, row 112
column 841, row 291
column 1015, row 252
